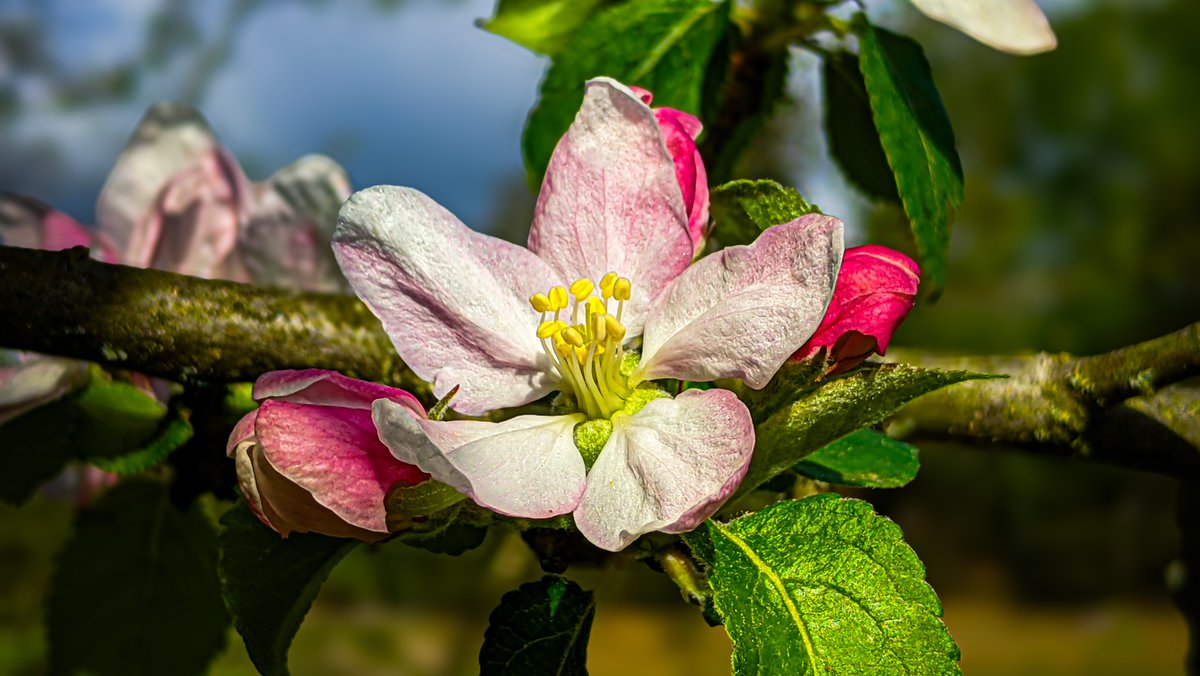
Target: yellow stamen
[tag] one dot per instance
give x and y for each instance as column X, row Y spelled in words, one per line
column 622, row 288
column 572, row 337
column 582, row 288
column 606, row 285
column 541, row 302
column 615, row 329
column 550, row 328
column 558, row 298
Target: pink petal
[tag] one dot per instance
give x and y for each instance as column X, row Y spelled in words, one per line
column 454, row 302
column 1015, row 26
column 525, row 467
column 334, row 454
column 666, row 468
column 679, row 132
column 610, row 201
column 35, row 380
column 168, row 140
column 875, row 290
column 329, row 388
column 739, row 313
column 285, row 237
column 285, row 507
column 197, row 215
column 30, row 224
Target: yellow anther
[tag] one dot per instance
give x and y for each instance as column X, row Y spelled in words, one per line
column 541, row 302
column 621, row 288
column 615, row 329
column 582, row 288
column 558, row 298
column 572, row 337
column 595, row 306
column 606, row 285
column 597, row 325
column 550, row 328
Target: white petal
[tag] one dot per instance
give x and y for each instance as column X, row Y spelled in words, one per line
column 169, row 139
column 454, row 302
column 610, row 201
column 525, row 467
column 741, row 312
column 666, row 468
column 1015, row 26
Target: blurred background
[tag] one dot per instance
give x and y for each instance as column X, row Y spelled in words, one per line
column 1078, row 233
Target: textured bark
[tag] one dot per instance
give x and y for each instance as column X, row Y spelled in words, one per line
column 184, row 328
column 1122, row 407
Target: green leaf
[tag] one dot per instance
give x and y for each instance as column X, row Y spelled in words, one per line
column 104, row 419
column 916, row 136
column 176, row 432
column 540, row 628
column 34, row 447
column 136, row 588
column 662, row 45
column 838, row 407
column 742, row 209
column 542, row 26
column 866, row 458
column 822, row 586
column 452, row 531
column 113, row 418
column 853, row 139
column 269, row 582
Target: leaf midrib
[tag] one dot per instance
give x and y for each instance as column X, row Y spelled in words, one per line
column 777, row 582
column 668, row 41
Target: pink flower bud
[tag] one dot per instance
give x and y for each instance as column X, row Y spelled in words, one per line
column 875, row 290
column 310, row 460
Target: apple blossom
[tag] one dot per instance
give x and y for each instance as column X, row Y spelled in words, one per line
column 1016, row 26
column 604, row 302
column 309, row 458
column 875, row 290
column 176, row 200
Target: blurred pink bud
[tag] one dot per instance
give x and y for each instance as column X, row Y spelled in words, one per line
column 310, row 460
column 875, row 290
column 680, row 130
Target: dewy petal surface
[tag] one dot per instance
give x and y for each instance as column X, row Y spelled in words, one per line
column 667, row 467
column 741, row 312
column 1016, row 26
column 610, row 201
column 170, row 138
column 524, row 467
column 454, row 302
column 310, row 444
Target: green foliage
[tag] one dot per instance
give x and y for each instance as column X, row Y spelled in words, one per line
column 818, row 416
column 866, row 458
column 454, row 530
column 136, row 588
column 539, row 628
column 269, row 582
column 853, row 139
column 542, row 26
column 916, row 136
column 742, row 209
column 825, row 585
column 176, row 431
column 665, row 46
column 106, row 418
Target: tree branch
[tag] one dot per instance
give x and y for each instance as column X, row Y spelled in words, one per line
column 1110, row 407
column 184, row 328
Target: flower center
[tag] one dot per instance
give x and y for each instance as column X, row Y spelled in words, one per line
column 586, row 351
